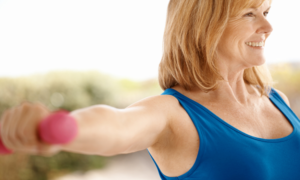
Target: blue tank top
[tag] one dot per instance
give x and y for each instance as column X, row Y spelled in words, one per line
column 226, row 153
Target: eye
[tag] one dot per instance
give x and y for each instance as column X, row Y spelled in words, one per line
column 266, row 13
column 249, row 14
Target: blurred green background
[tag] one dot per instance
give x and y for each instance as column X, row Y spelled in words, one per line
column 71, row 90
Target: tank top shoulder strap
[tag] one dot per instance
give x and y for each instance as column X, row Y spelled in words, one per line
column 280, row 103
column 169, row 92
column 275, row 96
column 191, row 107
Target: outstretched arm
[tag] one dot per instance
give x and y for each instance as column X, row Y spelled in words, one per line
column 107, row 131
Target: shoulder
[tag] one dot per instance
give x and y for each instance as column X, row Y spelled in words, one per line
column 283, row 96
column 165, row 105
column 162, row 111
column 161, row 101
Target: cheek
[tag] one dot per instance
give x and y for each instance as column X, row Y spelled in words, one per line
column 233, row 37
column 237, row 33
column 240, row 33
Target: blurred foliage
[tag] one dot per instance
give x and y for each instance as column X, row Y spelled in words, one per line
column 67, row 90
column 24, row 167
column 71, row 90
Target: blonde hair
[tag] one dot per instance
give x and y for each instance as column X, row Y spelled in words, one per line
column 193, row 30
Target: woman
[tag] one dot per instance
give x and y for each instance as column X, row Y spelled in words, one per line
column 219, row 117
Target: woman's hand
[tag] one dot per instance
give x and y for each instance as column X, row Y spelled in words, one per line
column 19, row 129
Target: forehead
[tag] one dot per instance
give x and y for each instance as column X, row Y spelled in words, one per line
column 238, row 6
column 255, row 3
column 265, row 5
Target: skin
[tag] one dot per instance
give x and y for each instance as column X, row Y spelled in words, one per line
column 159, row 123
column 234, row 56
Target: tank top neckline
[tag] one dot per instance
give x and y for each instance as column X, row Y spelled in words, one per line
column 239, row 131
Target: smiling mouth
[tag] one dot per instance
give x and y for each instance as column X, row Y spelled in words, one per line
column 256, row 44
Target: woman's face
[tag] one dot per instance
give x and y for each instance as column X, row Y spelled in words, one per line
column 251, row 28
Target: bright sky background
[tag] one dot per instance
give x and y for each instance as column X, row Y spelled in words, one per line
column 118, row 37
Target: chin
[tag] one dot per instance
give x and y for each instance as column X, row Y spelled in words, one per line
column 256, row 62
column 260, row 61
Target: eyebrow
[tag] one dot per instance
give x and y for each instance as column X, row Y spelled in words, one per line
column 257, row 9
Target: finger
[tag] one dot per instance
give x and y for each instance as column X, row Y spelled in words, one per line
column 25, row 103
column 40, row 114
column 13, row 128
column 37, row 113
column 42, row 107
column 19, row 117
column 25, row 126
column 21, row 127
column 6, row 130
column 28, row 129
column 21, row 135
column 4, row 118
column 3, row 115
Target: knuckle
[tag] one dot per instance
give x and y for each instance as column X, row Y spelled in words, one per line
column 42, row 108
column 5, row 115
column 12, row 109
column 25, row 104
column 18, row 108
column 18, row 113
column 6, row 112
column 25, row 109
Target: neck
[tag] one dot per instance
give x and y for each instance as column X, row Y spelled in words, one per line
column 238, row 92
column 233, row 88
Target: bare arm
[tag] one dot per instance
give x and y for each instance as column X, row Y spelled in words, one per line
column 106, row 131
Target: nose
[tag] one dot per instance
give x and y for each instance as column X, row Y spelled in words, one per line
column 265, row 26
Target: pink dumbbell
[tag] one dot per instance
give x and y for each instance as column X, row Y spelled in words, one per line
column 58, row 128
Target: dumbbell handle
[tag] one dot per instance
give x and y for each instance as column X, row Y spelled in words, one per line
column 58, row 128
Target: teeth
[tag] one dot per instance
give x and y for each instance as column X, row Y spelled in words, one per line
column 255, row 44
